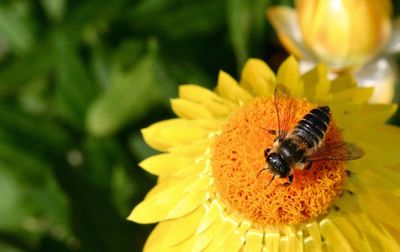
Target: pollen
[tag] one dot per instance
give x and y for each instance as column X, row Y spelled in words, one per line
column 238, row 155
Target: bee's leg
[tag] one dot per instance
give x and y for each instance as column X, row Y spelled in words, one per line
column 259, row 172
column 266, row 152
column 270, row 131
column 280, row 137
column 290, row 181
column 272, row 179
column 308, row 166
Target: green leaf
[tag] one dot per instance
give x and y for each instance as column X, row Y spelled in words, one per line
column 90, row 19
column 75, row 89
column 246, row 27
column 239, row 28
column 34, row 203
column 34, row 65
column 16, row 26
column 132, row 93
column 177, row 19
column 187, row 71
column 54, row 8
column 122, row 189
column 27, row 165
column 28, row 131
column 94, row 219
column 100, row 67
column 99, row 159
column 9, row 205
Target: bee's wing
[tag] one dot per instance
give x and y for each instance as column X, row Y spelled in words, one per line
column 284, row 110
column 341, row 151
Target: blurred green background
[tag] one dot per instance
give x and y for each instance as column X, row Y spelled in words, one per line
column 78, row 80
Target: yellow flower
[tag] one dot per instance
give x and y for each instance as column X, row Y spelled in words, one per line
column 209, row 197
column 346, row 35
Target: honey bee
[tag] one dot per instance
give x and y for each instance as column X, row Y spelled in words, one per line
column 304, row 144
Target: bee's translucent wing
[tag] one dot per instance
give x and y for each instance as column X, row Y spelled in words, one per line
column 283, row 102
column 341, row 151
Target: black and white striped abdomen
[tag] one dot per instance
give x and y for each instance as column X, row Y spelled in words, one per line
column 313, row 126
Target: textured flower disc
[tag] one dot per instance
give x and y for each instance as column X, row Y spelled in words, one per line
column 238, row 157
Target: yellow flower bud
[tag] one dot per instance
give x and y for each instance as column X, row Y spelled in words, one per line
column 345, row 33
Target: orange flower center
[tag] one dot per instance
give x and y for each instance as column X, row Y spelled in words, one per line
column 238, row 155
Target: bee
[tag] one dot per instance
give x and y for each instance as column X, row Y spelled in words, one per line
column 304, row 144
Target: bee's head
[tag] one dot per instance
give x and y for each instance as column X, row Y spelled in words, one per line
column 277, row 166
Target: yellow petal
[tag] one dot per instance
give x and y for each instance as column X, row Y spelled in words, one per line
column 271, row 241
column 165, row 163
column 204, row 239
column 153, row 243
column 382, row 206
column 343, row 113
column 356, row 95
column 382, row 179
column 309, row 245
column 342, row 82
column 229, row 89
column 173, row 132
column 375, row 114
column 357, row 237
column 284, row 20
column 237, row 238
column 313, row 242
column 379, row 238
column 226, row 229
column 334, row 238
column 197, row 93
column 180, row 229
column 289, row 76
column 389, row 242
column 376, row 235
column 234, row 242
column 154, row 210
column 192, row 150
column 174, row 201
column 350, row 116
column 291, row 241
column 207, row 227
column 316, row 84
column 219, row 109
column 254, row 240
column 211, row 101
column 212, row 124
column 189, row 110
column 380, row 145
column 258, row 78
column 156, row 245
column 213, row 212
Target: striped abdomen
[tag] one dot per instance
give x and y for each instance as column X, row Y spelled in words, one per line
column 313, row 126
